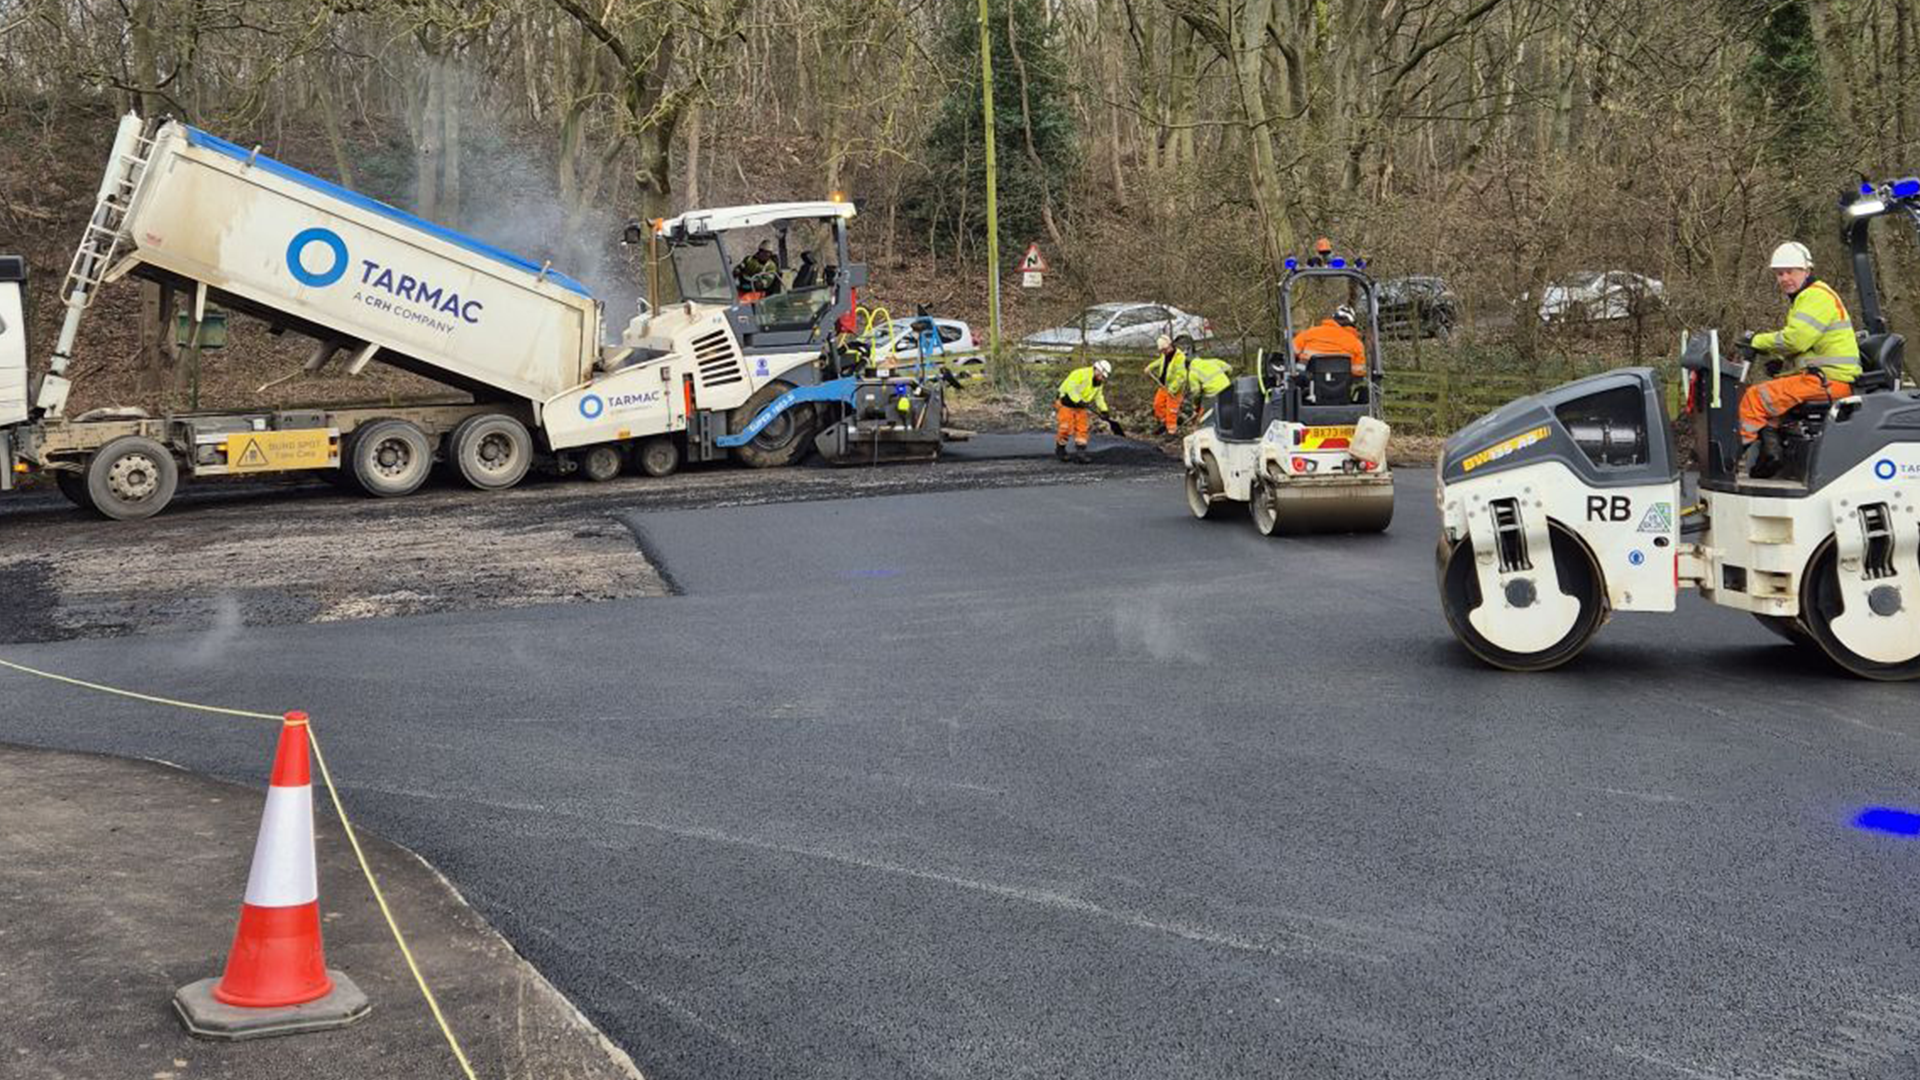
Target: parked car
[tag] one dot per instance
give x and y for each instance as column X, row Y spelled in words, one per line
column 1599, row 295
column 1119, row 327
column 951, row 345
column 1417, row 306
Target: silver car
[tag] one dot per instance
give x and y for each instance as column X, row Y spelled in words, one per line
column 1596, row 296
column 1119, row 327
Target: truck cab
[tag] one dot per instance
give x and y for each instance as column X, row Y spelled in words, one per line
column 797, row 306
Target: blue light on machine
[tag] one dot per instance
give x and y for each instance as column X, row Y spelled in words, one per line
column 1359, row 264
column 1336, row 263
column 1906, row 189
column 1866, row 189
column 1888, row 820
column 1292, row 264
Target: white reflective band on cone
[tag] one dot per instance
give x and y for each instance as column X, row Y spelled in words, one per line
column 283, row 873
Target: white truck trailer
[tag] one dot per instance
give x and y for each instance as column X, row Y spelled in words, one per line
column 520, row 343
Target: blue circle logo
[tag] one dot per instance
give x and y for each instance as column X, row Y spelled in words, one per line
column 1636, row 557
column 298, row 247
column 591, row 406
column 1884, row 469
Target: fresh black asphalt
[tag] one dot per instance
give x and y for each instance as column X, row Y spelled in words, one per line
column 1057, row 781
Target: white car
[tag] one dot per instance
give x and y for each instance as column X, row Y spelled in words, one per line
column 903, row 341
column 1597, row 296
column 1133, row 326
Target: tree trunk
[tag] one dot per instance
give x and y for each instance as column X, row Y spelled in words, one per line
column 143, row 22
column 156, row 344
column 451, row 102
column 1248, row 36
column 330, row 120
column 426, row 145
column 656, row 188
column 690, row 181
column 1026, row 135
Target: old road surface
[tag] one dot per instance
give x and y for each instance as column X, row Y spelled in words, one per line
column 1057, row 781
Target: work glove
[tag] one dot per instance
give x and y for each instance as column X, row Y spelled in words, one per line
column 1065, row 404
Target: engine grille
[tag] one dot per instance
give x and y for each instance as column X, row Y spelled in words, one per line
column 718, row 359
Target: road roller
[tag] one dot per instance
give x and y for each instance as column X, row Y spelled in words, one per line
column 1301, row 443
column 1563, row 507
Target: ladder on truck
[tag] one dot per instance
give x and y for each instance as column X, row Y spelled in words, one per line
column 99, row 245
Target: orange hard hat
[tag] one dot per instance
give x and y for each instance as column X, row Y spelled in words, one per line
column 1323, row 245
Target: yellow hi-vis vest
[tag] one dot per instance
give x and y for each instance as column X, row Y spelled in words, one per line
column 1170, row 372
column 1080, row 391
column 1207, row 376
column 1818, row 334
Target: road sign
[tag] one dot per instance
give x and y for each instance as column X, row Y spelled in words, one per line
column 1032, row 266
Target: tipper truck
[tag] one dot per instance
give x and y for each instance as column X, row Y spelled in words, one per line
column 519, row 344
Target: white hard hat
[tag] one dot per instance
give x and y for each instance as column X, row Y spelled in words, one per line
column 1165, row 342
column 1102, row 368
column 1792, row 255
column 1343, row 314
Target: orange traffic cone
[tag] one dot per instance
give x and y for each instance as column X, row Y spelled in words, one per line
column 276, row 979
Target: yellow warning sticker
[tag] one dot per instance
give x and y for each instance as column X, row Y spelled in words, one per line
column 271, row 451
column 1326, row 438
column 1503, row 448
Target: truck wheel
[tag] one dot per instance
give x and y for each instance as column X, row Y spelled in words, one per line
column 131, row 477
column 600, row 463
column 659, row 456
column 492, row 451
column 74, row 486
column 782, row 442
column 391, row 458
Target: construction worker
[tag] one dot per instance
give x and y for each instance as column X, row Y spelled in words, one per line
column 759, row 272
column 1169, row 374
column 1081, row 392
column 1817, row 344
column 1206, row 378
column 1334, row 336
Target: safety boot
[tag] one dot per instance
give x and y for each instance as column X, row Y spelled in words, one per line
column 1060, row 451
column 1081, row 456
column 1771, row 458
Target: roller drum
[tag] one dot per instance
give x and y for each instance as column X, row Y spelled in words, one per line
column 1357, row 507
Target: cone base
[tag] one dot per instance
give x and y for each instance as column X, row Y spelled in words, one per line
column 209, row 1018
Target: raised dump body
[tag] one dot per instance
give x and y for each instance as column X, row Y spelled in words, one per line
column 355, row 272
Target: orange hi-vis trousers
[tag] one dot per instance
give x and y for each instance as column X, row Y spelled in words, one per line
column 1073, row 425
column 1764, row 403
column 1166, row 409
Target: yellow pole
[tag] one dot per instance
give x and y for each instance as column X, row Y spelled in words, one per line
column 993, row 188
